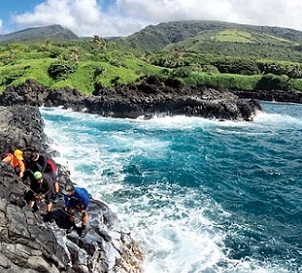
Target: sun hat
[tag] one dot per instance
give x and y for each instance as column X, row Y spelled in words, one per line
column 18, row 154
column 37, row 175
column 68, row 188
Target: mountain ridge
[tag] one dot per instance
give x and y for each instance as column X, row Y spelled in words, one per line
column 156, row 37
column 37, row 33
column 170, row 31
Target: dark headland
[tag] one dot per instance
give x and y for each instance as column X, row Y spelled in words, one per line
column 153, row 96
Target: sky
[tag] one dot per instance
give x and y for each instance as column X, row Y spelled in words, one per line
column 107, row 18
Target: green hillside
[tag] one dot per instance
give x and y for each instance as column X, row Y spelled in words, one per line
column 230, row 36
column 213, row 37
column 76, row 63
column 214, row 54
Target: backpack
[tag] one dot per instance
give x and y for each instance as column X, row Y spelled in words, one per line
column 6, row 155
column 51, row 165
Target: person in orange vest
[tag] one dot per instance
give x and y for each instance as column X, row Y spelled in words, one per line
column 15, row 159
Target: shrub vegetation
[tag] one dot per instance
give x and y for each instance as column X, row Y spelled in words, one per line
column 207, row 54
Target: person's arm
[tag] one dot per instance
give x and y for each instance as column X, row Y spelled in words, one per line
column 7, row 159
column 22, row 168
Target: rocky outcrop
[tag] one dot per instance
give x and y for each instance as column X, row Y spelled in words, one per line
column 35, row 94
column 271, row 95
column 30, row 244
column 153, row 96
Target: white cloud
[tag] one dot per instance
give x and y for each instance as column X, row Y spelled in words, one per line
column 84, row 17
column 0, row 25
column 123, row 17
column 269, row 12
column 171, row 10
column 261, row 12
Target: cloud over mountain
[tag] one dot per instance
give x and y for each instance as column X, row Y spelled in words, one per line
column 123, row 17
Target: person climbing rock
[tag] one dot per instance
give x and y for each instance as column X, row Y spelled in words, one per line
column 41, row 189
column 76, row 199
column 15, row 159
column 44, row 164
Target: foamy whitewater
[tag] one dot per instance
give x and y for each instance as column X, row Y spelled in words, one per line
column 198, row 195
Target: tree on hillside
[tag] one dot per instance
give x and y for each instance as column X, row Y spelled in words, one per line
column 274, row 82
column 60, row 70
column 99, row 43
column 295, row 72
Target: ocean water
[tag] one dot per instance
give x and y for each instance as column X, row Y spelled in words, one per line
column 198, row 195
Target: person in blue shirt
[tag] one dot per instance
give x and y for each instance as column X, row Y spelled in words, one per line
column 76, row 198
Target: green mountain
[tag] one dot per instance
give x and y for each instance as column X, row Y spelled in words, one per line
column 222, row 38
column 38, row 33
column 205, row 37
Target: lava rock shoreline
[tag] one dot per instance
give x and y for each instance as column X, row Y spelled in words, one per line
column 30, row 244
column 27, row 243
column 154, row 96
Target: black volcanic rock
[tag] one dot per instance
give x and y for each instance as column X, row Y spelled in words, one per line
column 153, row 96
column 271, row 95
column 27, row 242
column 28, row 93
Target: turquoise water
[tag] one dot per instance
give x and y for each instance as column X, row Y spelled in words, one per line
column 198, row 195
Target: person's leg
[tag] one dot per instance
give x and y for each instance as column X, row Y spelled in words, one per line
column 84, row 217
column 49, row 207
column 55, row 194
column 31, row 204
column 81, row 229
column 56, row 187
column 30, row 200
column 48, row 201
column 70, row 212
column 54, row 178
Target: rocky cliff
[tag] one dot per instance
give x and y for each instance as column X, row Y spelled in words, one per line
column 152, row 96
column 28, row 243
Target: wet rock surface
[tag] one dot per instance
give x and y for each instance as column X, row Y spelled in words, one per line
column 28, row 241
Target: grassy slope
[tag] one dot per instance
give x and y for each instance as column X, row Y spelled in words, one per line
column 239, row 43
column 121, row 64
column 126, row 67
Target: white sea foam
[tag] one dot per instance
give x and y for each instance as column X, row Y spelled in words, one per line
column 174, row 236
column 277, row 119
